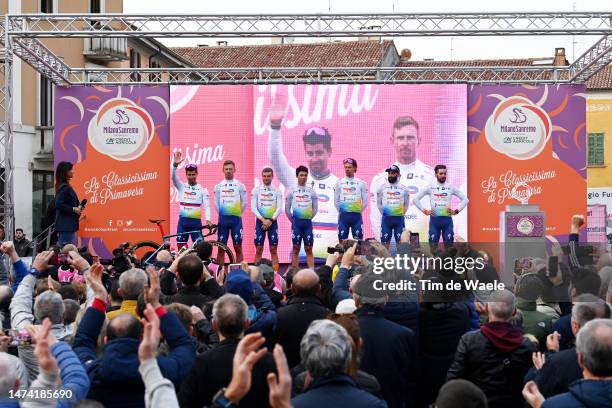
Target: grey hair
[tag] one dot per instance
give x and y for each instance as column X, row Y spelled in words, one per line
column 231, row 313
column 502, row 304
column 132, row 283
column 605, row 274
column 8, row 375
column 49, row 304
column 588, row 307
column 594, row 343
column 325, row 349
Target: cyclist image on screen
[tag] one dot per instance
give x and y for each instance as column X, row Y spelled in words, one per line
column 317, row 149
column 350, row 198
column 230, row 201
column 415, row 174
column 191, row 197
column 440, row 212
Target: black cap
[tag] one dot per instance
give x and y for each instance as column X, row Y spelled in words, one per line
column 394, row 168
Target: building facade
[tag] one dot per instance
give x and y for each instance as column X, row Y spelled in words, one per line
column 33, row 177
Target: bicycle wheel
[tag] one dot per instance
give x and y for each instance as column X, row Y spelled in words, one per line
column 140, row 248
column 222, row 247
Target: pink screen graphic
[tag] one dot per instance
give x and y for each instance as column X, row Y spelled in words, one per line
column 210, row 124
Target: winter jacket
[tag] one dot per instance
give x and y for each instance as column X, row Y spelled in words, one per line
column 441, row 327
column 583, row 394
column 293, row 321
column 496, row 359
column 561, row 370
column 115, row 380
column 389, row 352
column 535, row 323
column 332, row 391
column 22, row 316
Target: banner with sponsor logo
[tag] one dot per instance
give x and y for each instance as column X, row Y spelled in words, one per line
column 526, row 144
column 118, row 140
column 602, row 197
column 215, row 123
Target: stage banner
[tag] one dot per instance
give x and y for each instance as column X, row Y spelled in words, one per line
column 602, row 196
column 118, row 139
column 525, row 144
column 211, row 124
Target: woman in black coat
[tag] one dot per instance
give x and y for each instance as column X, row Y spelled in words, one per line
column 67, row 210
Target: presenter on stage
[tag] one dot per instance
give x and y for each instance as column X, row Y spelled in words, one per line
column 350, row 199
column 67, row 207
column 317, row 152
column 392, row 200
column 415, row 175
column 230, row 201
column 301, row 205
column 191, row 197
column 440, row 212
column 266, row 205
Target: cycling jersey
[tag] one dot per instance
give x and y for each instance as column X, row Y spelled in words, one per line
column 266, row 201
column 191, row 198
column 230, row 198
column 350, row 195
column 301, row 203
column 415, row 176
column 440, row 197
column 393, row 199
column 325, row 222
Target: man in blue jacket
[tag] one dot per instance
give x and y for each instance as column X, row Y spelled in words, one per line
column 114, row 376
column 594, row 346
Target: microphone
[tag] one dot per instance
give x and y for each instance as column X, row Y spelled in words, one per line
column 82, row 205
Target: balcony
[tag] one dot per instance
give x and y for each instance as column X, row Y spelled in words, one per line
column 45, row 150
column 106, row 49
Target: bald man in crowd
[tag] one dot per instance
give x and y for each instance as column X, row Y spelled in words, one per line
column 303, row 307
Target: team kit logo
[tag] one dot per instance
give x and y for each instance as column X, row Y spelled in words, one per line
column 518, row 128
column 121, row 129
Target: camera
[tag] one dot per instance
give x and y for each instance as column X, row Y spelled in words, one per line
column 332, row 250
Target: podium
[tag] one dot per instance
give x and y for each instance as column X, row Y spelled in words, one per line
column 522, row 233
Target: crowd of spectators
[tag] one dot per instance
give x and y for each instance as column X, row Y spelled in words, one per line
column 180, row 332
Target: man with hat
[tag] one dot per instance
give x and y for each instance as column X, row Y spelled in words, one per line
column 392, row 199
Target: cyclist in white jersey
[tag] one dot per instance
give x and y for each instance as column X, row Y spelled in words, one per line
column 266, row 204
column 350, row 199
column 415, row 174
column 191, row 197
column 440, row 212
column 301, row 206
column 392, row 200
column 317, row 149
column 231, row 201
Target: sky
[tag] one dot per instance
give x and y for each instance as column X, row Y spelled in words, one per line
column 447, row 48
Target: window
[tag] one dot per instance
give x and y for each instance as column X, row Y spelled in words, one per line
column 46, row 6
column 154, row 76
column 595, row 149
column 42, row 194
column 95, row 7
column 45, row 94
column 134, row 63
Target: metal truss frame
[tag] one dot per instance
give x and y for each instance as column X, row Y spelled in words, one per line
column 23, row 36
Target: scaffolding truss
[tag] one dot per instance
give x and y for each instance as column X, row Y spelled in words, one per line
column 22, row 36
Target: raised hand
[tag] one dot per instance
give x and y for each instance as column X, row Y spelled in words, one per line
column 280, row 385
column 247, row 354
column 94, row 280
column 153, row 289
column 151, row 336
column 277, row 110
column 177, row 159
